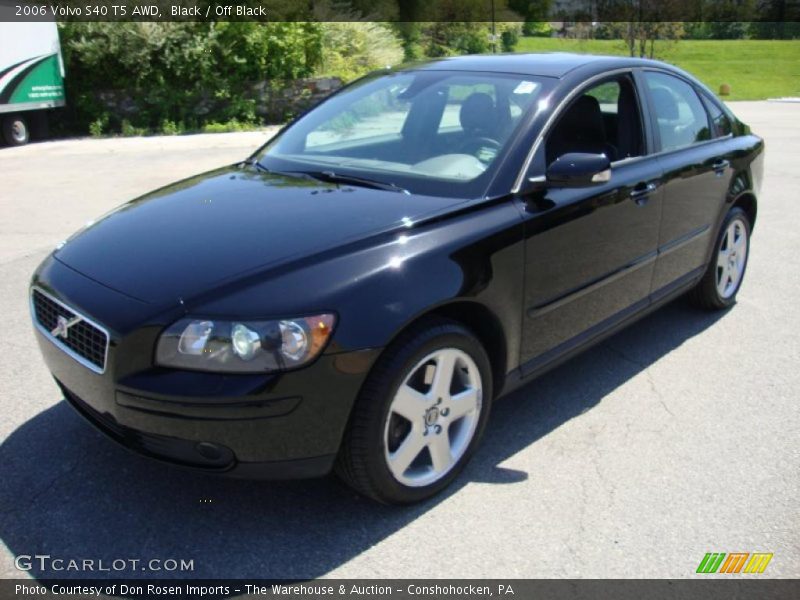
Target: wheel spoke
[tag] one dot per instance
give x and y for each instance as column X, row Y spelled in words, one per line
column 401, row 459
column 722, row 258
column 731, row 235
column 439, row 447
column 443, row 377
column 740, row 262
column 740, row 245
column 409, row 403
column 722, row 279
column 734, row 273
column 462, row 404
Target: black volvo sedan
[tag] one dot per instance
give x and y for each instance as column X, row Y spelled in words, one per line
column 355, row 295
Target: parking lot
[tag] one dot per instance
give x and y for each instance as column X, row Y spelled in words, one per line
column 674, row 438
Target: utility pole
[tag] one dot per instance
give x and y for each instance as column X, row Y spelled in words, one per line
column 494, row 33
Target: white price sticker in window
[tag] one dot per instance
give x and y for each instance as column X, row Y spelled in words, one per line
column 525, row 87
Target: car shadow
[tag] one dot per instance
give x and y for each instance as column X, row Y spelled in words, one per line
column 69, row 492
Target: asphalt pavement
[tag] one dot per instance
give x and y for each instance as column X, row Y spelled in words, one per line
column 676, row 437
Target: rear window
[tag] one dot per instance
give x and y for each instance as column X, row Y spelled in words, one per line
column 682, row 118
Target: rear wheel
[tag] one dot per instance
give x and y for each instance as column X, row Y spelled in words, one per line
column 420, row 415
column 15, row 130
column 723, row 278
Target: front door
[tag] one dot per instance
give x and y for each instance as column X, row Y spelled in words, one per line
column 590, row 251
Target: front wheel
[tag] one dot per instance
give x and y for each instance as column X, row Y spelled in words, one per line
column 723, row 278
column 420, row 415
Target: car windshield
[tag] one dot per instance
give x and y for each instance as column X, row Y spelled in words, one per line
column 432, row 132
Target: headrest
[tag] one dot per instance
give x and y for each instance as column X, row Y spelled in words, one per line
column 584, row 121
column 476, row 111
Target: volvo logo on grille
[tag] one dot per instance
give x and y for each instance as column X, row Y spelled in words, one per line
column 62, row 326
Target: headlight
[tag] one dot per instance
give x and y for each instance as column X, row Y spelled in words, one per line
column 243, row 346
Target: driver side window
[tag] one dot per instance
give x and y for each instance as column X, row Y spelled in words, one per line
column 604, row 119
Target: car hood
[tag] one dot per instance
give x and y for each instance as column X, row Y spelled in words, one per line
column 185, row 239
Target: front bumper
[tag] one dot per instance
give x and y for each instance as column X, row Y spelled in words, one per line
column 280, row 425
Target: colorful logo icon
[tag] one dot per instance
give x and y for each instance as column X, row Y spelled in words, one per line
column 734, row 562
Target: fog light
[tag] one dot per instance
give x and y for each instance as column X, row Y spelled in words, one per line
column 245, row 341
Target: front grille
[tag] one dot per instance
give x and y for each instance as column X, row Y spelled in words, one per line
column 72, row 332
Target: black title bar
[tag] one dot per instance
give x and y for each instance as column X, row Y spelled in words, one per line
column 738, row 587
column 403, row 10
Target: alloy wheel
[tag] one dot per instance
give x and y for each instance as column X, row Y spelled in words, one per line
column 433, row 417
column 731, row 258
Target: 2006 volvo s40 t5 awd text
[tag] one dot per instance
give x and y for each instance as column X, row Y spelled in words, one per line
column 355, row 295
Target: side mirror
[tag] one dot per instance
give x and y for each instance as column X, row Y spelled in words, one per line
column 577, row 169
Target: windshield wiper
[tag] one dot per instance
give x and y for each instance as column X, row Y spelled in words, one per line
column 254, row 162
column 332, row 177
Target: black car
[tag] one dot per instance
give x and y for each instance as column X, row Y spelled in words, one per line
column 356, row 294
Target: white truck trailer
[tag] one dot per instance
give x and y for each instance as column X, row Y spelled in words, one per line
column 31, row 77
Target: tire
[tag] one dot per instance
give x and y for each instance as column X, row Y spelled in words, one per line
column 728, row 262
column 15, row 130
column 379, row 441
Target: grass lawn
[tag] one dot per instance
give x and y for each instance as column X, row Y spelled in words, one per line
column 755, row 69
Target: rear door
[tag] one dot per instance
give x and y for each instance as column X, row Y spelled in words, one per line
column 697, row 174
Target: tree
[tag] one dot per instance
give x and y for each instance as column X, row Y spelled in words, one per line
column 535, row 15
column 532, row 10
column 778, row 19
column 641, row 38
column 447, row 27
column 641, row 24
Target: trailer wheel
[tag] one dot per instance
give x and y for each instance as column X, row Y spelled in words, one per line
column 15, row 130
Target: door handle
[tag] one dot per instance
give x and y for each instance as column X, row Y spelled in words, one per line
column 720, row 165
column 641, row 193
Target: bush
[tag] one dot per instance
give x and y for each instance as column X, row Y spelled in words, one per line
column 98, row 126
column 229, row 126
column 728, row 30
column 171, row 127
column 185, row 73
column 351, row 49
column 129, row 130
column 451, row 38
column 537, row 29
column 509, row 36
column 696, row 30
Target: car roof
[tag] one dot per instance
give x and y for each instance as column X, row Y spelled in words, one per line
column 546, row 64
